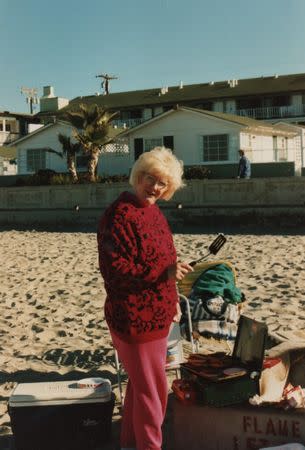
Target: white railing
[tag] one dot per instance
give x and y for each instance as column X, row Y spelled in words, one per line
column 272, row 112
column 127, row 123
column 266, row 112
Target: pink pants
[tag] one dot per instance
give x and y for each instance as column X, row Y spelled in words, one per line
column 146, row 394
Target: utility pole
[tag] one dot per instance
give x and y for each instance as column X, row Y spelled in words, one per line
column 105, row 82
column 31, row 96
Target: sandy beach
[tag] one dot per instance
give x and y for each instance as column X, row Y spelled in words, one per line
column 52, row 295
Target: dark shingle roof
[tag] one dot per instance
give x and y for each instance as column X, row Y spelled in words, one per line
column 281, row 84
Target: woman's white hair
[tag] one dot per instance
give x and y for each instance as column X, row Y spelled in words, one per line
column 160, row 162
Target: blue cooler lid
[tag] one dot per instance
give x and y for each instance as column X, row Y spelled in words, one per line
column 88, row 390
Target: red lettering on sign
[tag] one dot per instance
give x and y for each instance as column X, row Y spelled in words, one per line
column 253, row 443
column 273, row 426
column 296, row 429
column 250, row 444
column 283, row 428
column 270, row 429
column 256, row 427
column 235, row 443
column 246, row 423
column 263, row 443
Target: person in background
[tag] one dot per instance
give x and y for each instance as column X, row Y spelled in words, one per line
column 244, row 166
column 139, row 265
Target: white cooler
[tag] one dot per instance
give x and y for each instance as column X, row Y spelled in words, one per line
column 61, row 415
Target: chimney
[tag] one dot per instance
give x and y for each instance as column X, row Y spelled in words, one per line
column 50, row 103
column 48, row 91
column 232, row 83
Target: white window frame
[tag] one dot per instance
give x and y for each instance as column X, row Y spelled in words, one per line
column 283, row 149
column 217, row 148
column 280, row 148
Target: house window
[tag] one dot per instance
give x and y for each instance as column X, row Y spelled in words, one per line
column 35, row 159
column 280, row 149
column 149, row 144
column 168, row 142
column 283, row 150
column 215, row 147
column 8, row 127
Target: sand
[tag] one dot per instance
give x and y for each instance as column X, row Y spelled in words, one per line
column 52, row 295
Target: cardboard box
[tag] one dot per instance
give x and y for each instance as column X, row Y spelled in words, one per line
column 60, row 415
column 239, row 427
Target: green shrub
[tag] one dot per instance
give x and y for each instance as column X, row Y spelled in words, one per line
column 61, row 178
column 41, row 178
column 113, row 179
column 196, row 172
column 24, row 181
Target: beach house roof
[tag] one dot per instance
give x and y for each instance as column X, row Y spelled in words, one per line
column 35, row 132
column 251, row 125
column 113, row 132
column 264, row 85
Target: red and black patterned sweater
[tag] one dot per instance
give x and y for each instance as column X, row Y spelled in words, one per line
column 135, row 249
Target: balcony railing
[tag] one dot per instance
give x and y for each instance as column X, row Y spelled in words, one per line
column 127, row 123
column 272, row 112
column 266, row 112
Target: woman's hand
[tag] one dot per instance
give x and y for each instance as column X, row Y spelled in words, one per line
column 179, row 270
column 178, row 314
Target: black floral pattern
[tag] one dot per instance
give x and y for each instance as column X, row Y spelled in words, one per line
column 135, row 249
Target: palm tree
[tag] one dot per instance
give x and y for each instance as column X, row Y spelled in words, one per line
column 91, row 129
column 70, row 149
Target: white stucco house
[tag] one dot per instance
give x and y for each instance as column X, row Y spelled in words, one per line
column 201, row 137
column 198, row 137
column 39, row 150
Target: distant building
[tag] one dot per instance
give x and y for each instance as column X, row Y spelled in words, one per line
column 277, row 97
column 41, row 149
column 15, row 125
column 12, row 127
column 224, row 111
column 208, row 138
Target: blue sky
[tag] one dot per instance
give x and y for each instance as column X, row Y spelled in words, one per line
column 146, row 43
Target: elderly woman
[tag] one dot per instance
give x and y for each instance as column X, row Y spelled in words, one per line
column 139, row 265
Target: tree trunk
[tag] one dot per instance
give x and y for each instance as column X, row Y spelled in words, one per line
column 92, row 164
column 72, row 168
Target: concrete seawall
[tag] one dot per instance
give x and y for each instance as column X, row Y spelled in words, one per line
column 278, row 200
